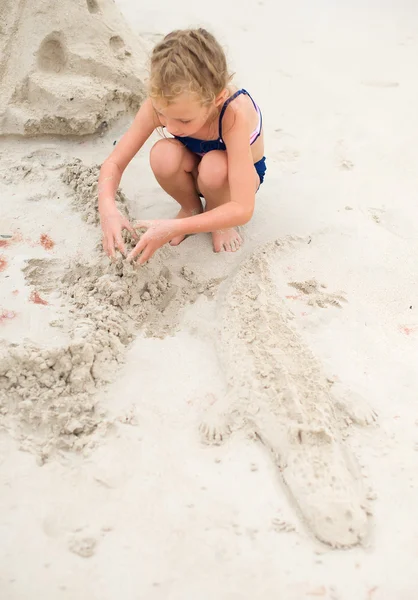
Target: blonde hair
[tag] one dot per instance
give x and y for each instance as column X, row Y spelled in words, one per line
column 191, row 61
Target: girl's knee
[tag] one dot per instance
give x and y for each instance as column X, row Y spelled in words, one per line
column 166, row 157
column 213, row 171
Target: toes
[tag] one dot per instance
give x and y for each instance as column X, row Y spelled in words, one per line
column 229, row 241
column 235, row 244
column 217, row 244
column 238, row 240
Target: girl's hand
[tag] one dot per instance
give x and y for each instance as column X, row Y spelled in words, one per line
column 113, row 222
column 158, row 233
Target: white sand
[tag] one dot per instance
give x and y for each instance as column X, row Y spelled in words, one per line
column 144, row 509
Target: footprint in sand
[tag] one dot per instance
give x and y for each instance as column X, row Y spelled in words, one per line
column 47, row 158
column 82, row 546
column 277, row 389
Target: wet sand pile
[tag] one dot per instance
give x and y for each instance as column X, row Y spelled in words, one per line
column 46, row 395
column 83, row 180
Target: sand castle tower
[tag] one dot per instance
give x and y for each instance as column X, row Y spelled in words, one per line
column 66, row 68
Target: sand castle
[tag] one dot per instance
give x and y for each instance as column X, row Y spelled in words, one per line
column 66, row 68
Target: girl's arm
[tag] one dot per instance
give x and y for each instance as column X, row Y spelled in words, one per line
column 241, row 176
column 113, row 167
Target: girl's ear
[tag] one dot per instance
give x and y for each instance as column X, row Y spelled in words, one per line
column 221, row 98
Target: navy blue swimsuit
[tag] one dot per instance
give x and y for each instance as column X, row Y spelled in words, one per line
column 202, row 147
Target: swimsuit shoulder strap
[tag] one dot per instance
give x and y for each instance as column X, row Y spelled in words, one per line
column 228, row 101
column 225, row 106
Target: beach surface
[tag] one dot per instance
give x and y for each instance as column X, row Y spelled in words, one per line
column 222, row 426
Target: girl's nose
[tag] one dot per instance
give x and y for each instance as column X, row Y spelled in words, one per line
column 173, row 128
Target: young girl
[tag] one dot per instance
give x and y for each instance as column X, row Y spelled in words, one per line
column 216, row 151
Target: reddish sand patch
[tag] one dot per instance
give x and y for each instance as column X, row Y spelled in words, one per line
column 36, row 299
column 6, row 315
column 407, row 330
column 46, row 241
column 16, row 237
column 3, row 264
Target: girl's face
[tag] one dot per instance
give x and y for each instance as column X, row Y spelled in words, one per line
column 186, row 115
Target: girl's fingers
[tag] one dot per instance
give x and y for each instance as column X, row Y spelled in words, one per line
column 110, row 247
column 131, row 230
column 107, row 246
column 120, row 245
column 146, row 255
column 138, row 248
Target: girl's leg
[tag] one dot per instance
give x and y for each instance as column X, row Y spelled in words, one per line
column 212, row 181
column 173, row 166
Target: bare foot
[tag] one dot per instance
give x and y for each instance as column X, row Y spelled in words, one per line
column 226, row 239
column 182, row 215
